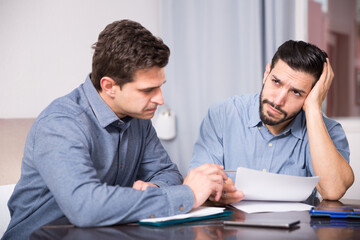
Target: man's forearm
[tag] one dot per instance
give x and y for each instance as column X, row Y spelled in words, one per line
column 336, row 175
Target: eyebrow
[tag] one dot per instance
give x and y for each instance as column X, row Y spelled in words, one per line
column 292, row 88
column 151, row 88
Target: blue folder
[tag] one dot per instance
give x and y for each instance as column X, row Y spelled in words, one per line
column 335, row 212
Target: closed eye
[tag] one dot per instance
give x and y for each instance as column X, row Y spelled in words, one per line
column 147, row 90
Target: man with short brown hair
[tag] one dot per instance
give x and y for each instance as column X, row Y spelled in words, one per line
column 94, row 156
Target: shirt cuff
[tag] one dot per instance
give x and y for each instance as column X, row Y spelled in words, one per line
column 181, row 199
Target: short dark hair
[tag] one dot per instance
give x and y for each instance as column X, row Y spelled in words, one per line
column 301, row 56
column 124, row 47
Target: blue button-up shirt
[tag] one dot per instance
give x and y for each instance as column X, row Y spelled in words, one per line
column 81, row 160
column 232, row 134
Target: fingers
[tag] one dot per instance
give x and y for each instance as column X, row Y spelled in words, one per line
column 330, row 72
column 228, row 198
column 213, row 169
column 319, row 91
column 324, row 73
column 218, row 191
column 217, row 176
column 327, row 74
column 325, row 80
column 141, row 185
column 206, row 180
column 229, row 194
column 229, row 186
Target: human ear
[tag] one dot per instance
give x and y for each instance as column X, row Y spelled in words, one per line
column 107, row 85
column 267, row 71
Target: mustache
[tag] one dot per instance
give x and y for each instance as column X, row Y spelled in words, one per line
column 277, row 107
column 151, row 107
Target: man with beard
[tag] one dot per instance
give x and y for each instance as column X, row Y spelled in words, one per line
column 282, row 129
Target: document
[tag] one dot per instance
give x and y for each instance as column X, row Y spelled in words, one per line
column 196, row 214
column 270, row 206
column 271, row 192
column 265, row 186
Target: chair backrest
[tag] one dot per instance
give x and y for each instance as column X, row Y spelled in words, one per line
column 5, row 193
column 13, row 133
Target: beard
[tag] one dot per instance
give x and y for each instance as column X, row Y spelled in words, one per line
column 267, row 118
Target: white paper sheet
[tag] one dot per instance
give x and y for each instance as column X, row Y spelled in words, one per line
column 199, row 212
column 262, row 206
column 265, row 186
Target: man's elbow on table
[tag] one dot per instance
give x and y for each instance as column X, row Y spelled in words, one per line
column 335, row 192
column 83, row 219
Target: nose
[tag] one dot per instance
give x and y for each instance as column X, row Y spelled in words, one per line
column 280, row 98
column 158, row 97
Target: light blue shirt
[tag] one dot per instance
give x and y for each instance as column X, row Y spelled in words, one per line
column 81, row 160
column 233, row 135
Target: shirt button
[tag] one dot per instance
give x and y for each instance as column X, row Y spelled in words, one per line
column 152, row 216
column 121, row 166
column 270, row 144
column 259, row 128
column 181, row 208
column 119, row 123
column 264, row 170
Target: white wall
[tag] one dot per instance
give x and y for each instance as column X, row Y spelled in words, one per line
column 45, row 46
column 352, row 129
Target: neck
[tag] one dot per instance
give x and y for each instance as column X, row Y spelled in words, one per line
column 109, row 101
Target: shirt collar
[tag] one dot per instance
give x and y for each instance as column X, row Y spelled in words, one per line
column 102, row 111
column 254, row 116
column 296, row 127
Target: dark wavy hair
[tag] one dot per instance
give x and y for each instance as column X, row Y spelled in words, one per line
column 124, row 47
column 301, row 56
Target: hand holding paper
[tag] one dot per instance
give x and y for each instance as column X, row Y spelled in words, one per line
column 264, row 186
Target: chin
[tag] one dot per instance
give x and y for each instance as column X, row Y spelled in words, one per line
column 145, row 116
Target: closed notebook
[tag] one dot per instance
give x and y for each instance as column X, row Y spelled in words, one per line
column 200, row 213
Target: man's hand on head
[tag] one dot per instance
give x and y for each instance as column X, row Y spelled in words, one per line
column 141, row 185
column 229, row 195
column 321, row 88
column 204, row 181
